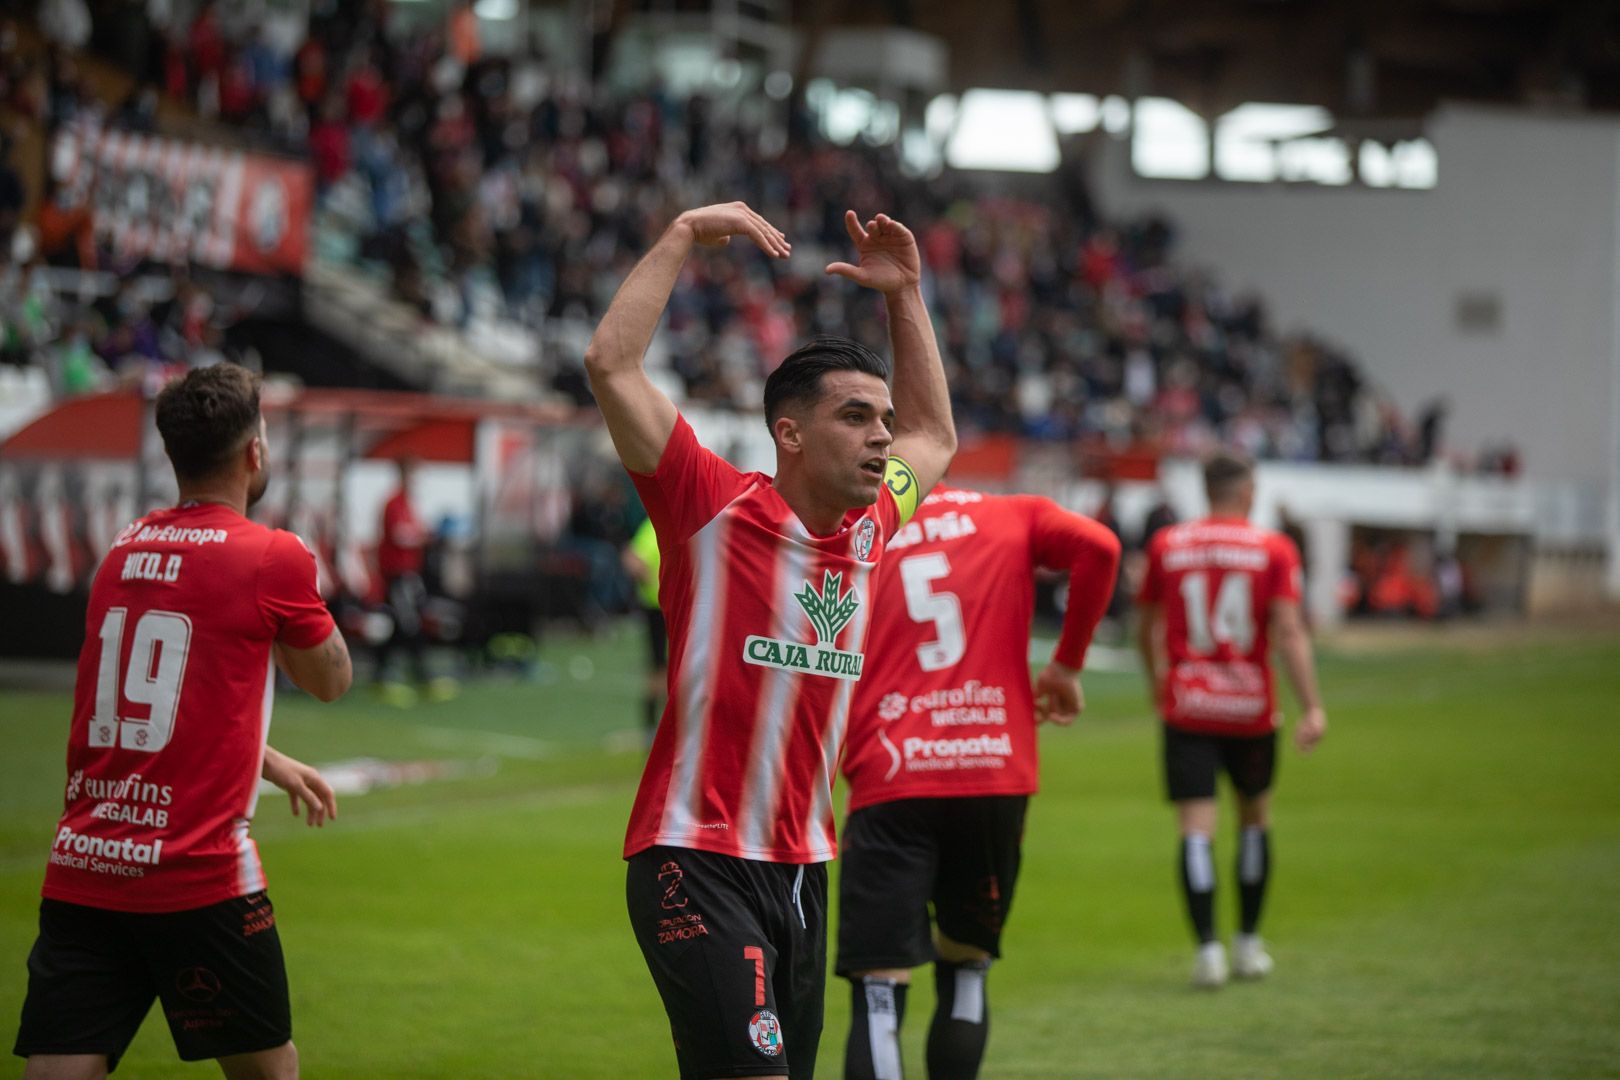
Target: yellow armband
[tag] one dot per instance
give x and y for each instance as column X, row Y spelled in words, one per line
column 901, row 481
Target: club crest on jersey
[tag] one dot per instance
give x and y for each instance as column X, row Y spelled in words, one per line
column 829, row 611
column 765, row 1032
column 865, row 534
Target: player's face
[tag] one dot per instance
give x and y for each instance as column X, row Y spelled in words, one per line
column 261, row 474
column 846, row 437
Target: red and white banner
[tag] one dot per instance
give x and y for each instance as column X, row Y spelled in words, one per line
column 180, row 202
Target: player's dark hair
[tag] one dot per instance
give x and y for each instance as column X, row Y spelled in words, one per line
column 1225, row 472
column 207, row 415
column 798, row 379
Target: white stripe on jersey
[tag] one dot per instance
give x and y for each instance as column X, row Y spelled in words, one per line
column 773, row 722
column 264, row 731
column 833, row 739
column 249, row 871
column 694, row 685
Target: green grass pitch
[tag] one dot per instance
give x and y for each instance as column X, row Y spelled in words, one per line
column 1446, row 900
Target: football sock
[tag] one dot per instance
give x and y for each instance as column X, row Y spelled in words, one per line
column 1198, row 884
column 961, row 1024
column 1254, row 870
column 877, row 1006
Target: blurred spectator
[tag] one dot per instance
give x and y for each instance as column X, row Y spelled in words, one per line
column 13, row 196
column 65, row 22
column 478, row 205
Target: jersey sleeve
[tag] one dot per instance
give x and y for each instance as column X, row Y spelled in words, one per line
column 1062, row 540
column 1151, row 591
column 288, row 597
column 1286, row 575
column 688, row 488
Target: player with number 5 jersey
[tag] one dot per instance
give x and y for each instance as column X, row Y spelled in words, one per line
column 1218, row 594
column 153, row 887
column 942, row 758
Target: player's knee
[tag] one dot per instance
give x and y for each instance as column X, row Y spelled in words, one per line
column 955, row 952
column 1254, row 811
column 902, row 976
column 66, row 1067
column 280, row 1063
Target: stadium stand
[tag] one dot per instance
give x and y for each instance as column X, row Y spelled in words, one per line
column 466, row 206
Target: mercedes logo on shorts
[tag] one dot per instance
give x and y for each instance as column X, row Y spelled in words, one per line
column 197, row 984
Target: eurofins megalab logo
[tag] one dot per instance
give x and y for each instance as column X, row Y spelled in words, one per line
column 829, row 611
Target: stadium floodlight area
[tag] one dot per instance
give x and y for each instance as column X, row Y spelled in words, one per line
column 1018, row 131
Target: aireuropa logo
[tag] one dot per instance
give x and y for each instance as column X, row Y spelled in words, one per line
column 829, row 610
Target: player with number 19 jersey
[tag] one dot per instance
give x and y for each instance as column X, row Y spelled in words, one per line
column 1217, row 579
column 172, row 709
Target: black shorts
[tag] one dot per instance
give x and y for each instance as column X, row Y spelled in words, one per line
column 738, row 950
column 218, row 971
column 959, row 855
column 657, row 638
column 1191, row 762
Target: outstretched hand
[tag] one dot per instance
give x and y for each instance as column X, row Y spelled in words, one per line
column 303, row 784
column 888, row 254
column 1058, row 697
column 714, row 226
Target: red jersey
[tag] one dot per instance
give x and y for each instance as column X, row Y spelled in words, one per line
column 1216, row 580
column 172, row 708
column 400, row 550
column 766, row 628
column 945, row 706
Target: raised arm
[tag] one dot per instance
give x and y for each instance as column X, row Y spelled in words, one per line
column 639, row 416
column 924, row 432
column 1293, row 640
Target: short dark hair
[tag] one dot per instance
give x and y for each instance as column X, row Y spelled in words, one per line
column 207, row 415
column 1224, row 472
column 798, row 379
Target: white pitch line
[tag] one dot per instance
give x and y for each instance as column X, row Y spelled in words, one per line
column 492, row 742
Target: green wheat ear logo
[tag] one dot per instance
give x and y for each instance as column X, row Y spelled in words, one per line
column 828, row 616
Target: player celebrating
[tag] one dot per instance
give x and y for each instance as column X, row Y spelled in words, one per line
column 766, row 586
column 942, row 758
column 1217, row 593
column 154, row 888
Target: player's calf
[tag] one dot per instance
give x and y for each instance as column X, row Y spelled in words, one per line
column 877, row 1009
column 961, row 1025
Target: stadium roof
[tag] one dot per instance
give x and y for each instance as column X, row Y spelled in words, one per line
column 1355, row 57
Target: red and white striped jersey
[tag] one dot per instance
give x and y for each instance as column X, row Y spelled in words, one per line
column 945, row 707
column 767, row 625
column 1217, row 579
column 172, row 709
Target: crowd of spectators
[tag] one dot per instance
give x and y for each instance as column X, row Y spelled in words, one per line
column 481, row 190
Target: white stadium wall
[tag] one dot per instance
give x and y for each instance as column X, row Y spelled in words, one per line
column 1523, row 230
